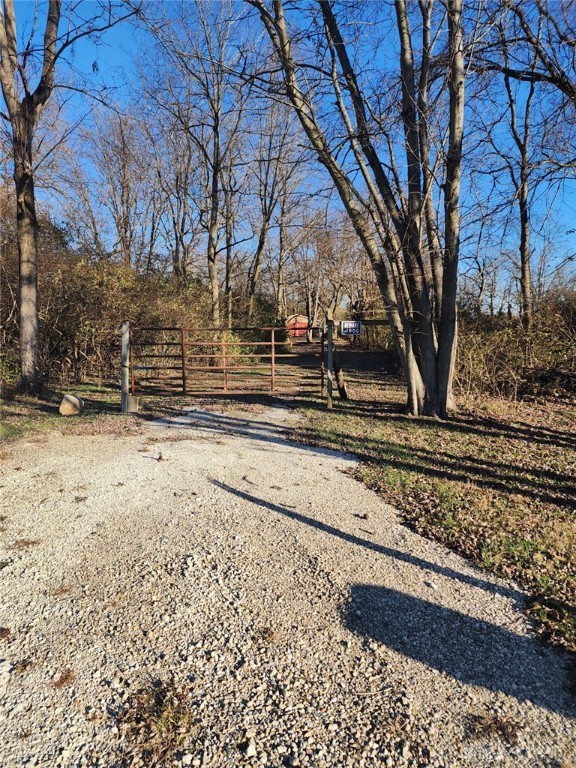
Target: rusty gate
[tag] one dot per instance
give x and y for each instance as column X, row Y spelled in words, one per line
column 220, row 361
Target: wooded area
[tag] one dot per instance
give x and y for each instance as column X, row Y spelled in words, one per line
column 258, row 159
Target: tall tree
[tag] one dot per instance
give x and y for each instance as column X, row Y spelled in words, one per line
column 416, row 275
column 128, row 189
column 199, row 56
column 176, row 159
column 273, row 167
column 24, row 103
column 526, row 106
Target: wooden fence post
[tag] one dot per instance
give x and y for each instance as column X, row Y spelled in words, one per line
column 125, row 360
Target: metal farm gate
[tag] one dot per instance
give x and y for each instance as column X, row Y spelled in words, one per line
column 217, row 361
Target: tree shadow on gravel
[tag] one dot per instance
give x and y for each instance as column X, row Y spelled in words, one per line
column 473, row 651
column 381, row 549
column 259, row 430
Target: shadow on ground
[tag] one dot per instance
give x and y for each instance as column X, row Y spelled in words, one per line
column 267, row 432
column 426, row 565
column 473, row 651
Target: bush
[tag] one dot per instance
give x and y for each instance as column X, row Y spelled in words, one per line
column 495, row 355
column 85, row 342
column 81, row 309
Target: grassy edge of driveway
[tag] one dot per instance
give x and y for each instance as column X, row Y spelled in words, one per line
column 496, row 483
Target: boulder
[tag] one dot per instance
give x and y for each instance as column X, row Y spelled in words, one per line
column 71, row 405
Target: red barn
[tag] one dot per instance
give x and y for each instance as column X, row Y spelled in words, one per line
column 297, row 325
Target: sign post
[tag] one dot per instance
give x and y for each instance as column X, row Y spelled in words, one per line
column 330, row 363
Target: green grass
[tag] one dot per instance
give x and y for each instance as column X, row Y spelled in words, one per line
column 495, row 483
column 21, row 414
column 12, row 431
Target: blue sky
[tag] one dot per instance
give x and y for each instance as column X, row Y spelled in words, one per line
column 120, row 50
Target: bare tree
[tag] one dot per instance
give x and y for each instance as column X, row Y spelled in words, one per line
column 414, row 274
column 325, row 264
column 524, row 105
column 177, row 158
column 201, row 95
column 540, row 43
column 273, row 167
column 24, row 102
column 127, row 191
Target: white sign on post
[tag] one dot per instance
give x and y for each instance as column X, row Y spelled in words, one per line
column 350, row 327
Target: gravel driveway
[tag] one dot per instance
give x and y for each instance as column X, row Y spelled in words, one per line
column 298, row 620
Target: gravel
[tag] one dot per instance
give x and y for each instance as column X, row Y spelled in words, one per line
column 297, row 622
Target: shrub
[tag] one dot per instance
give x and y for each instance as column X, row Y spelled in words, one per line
column 81, row 309
column 495, row 355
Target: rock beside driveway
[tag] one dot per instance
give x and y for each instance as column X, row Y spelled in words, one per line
column 71, row 405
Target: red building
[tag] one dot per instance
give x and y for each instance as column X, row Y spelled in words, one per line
column 297, row 325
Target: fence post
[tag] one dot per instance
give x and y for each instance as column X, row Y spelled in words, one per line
column 183, row 358
column 224, row 343
column 273, row 360
column 125, row 360
column 330, row 362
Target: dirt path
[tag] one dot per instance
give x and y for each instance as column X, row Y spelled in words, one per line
column 297, row 621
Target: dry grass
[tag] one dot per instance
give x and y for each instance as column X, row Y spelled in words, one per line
column 155, row 724
column 487, row 725
column 497, row 483
column 23, row 415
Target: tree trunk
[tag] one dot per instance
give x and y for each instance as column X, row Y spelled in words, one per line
column 414, row 384
column 525, row 269
column 309, row 312
column 214, row 284
column 255, row 270
column 228, row 284
column 281, row 307
column 27, row 233
column 522, row 192
column 212, row 253
column 447, row 331
column 339, row 377
column 176, row 254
